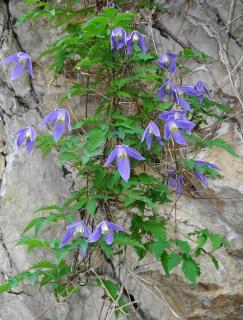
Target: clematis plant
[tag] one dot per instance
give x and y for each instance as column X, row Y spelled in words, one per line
column 151, row 130
column 202, row 90
column 175, row 181
column 176, row 93
column 168, row 62
column 78, row 228
column 106, row 229
column 122, row 153
column 62, row 121
column 118, row 38
column 27, row 134
column 22, row 62
column 175, row 121
column 123, row 92
column 201, row 177
column 136, row 38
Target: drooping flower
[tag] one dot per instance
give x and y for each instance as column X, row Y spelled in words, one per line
column 168, row 62
column 27, row 134
column 136, row 38
column 62, row 120
column 118, row 38
column 22, row 62
column 151, row 130
column 77, row 228
column 202, row 176
column 174, row 121
column 111, row 4
column 202, row 90
column 106, row 229
column 122, row 153
column 176, row 93
column 175, row 181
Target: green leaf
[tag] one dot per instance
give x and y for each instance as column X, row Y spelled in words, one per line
column 216, row 241
column 215, row 262
column 158, row 247
column 109, row 286
column 183, row 245
column 220, row 143
column 170, row 261
column 123, row 239
column 5, row 287
column 96, row 137
column 45, row 264
column 190, row 269
column 91, row 206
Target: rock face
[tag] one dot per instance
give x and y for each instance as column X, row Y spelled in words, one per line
column 28, row 183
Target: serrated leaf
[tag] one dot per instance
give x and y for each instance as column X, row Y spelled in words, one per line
column 183, row 245
column 123, row 239
column 158, row 247
column 91, row 206
column 170, row 261
column 190, row 269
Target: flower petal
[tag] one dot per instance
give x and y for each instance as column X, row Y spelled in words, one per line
column 59, row 129
column 178, row 137
column 21, row 139
column 12, row 58
column 68, row 120
column 29, row 146
column 29, row 67
column 111, row 157
column 109, row 238
column 95, row 235
column 67, row 237
column 113, row 226
column 52, row 116
column 133, row 153
column 17, row 70
column 123, row 165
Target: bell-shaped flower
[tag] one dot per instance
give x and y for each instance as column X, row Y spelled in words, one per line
column 176, row 93
column 22, row 62
column 202, row 90
column 174, row 122
column 62, row 120
column 136, row 38
column 201, row 177
column 180, row 117
column 151, row 130
column 122, row 153
column 118, row 38
column 175, row 181
column 78, row 228
column 106, row 229
column 168, row 62
column 27, row 134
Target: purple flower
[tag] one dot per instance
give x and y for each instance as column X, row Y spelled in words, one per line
column 175, row 181
column 168, row 62
column 202, row 90
column 151, row 130
column 23, row 62
column 138, row 38
column 27, row 134
column 76, row 228
column 174, row 121
column 111, row 4
column 62, row 120
column 121, row 153
column 118, row 38
column 177, row 93
column 202, row 176
column 105, row 228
